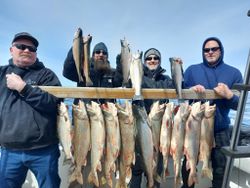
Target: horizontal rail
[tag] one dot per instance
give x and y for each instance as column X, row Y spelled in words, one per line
column 125, row 93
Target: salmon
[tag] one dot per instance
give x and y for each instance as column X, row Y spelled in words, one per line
column 177, row 75
column 97, row 140
column 126, row 57
column 81, row 140
column 64, row 130
column 192, row 140
column 136, row 74
column 144, row 142
column 77, row 50
column 207, row 139
column 177, row 139
column 165, row 137
column 86, row 51
column 113, row 139
column 127, row 129
column 155, row 121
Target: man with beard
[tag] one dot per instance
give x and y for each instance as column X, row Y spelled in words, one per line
column 101, row 73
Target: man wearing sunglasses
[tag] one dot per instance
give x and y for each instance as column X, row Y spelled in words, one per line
column 101, row 73
column 214, row 73
column 28, row 136
column 153, row 77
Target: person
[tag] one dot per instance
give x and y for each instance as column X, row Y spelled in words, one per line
column 214, row 73
column 28, row 115
column 153, row 77
column 101, row 73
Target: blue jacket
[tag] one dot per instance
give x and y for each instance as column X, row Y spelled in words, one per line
column 209, row 77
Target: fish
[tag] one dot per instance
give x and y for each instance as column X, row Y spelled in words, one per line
column 128, row 132
column 144, row 142
column 97, row 135
column 192, row 140
column 86, row 51
column 81, row 140
column 165, row 136
column 177, row 75
column 113, row 140
column 126, row 57
column 177, row 139
column 78, row 52
column 64, row 131
column 155, row 121
column 207, row 141
column 136, row 74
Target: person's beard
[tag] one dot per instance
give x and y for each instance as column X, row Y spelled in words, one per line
column 101, row 66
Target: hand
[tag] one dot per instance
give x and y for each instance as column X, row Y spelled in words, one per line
column 15, row 82
column 223, row 91
column 198, row 88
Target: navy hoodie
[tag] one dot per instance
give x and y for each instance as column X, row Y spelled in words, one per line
column 209, row 76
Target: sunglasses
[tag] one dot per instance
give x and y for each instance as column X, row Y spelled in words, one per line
column 150, row 58
column 214, row 49
column 100, row 51
column 23, row 47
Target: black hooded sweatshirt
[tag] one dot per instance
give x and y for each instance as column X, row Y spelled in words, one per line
column 28, row 119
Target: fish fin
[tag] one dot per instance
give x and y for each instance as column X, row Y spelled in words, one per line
column 207, row 172
column 99, row 166
column 134, row 158
column 129, row 173
column 157, row 178
column 93, row 178
column 85, row 162
column 104, row 181
column 192, row 179
column 76, row 176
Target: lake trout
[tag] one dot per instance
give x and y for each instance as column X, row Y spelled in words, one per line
column 127, row 129
column 126, row 57
column 86, row 64
column 77, row 50
column 136, row 74
column 144, row 142
column 97, row 132
column 113, row 139
column 192, row 140
column 81, row 140
column 207, row 139
column 177, row 75
column 64, row 130
column 155, row 121
column 177, row 139
column 165, row 137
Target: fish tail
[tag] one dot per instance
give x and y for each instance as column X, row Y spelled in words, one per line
column 207, row 172
column 76, row 176
column 192, row 178
column 93, row 178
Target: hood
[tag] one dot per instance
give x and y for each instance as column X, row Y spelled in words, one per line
column 19, row 70
column 220, row 60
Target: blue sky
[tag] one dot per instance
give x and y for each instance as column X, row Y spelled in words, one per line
column 176, row 28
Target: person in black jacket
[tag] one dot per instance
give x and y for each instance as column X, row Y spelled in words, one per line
column 153, row 77
column 101, row 73
column 28, row 116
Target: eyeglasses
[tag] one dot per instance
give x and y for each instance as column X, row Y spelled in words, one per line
column 23, row 47
column 150, row 58
column 100, row 51
column 214, row 49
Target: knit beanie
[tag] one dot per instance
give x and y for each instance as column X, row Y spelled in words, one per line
column 100, row 46
column 152, row 51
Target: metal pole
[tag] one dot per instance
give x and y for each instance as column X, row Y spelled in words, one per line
column 237, row 124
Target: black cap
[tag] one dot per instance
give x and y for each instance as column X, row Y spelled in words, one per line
column 25, row 35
